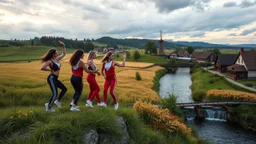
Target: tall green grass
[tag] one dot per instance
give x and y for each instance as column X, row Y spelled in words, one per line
column 69, row 127
column 203, row 81
column 26, row 52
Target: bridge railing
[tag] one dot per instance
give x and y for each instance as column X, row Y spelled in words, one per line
column 215, row 103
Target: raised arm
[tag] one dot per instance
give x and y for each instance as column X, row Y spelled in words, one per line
column 123, row 63
column 63, row 51
column 82, row 64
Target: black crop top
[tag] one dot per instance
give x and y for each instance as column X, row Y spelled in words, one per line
column 55, row 66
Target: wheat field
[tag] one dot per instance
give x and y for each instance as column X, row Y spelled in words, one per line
column 27, row 83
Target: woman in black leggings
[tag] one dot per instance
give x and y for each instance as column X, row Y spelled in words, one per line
column 52, row 60
column 78, row 66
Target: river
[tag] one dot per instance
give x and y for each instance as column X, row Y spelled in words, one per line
column 214, row 128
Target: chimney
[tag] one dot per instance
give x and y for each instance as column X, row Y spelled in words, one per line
column 241, row 50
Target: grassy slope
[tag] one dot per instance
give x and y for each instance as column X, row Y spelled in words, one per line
column 25, row 53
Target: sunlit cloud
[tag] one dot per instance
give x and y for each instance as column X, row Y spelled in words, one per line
column 187, row 20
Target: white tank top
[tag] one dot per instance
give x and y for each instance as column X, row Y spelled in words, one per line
column 108, row 65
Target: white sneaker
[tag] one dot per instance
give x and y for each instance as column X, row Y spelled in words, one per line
column 46, row 106
column 116, row 106
column 71, row 103
column 74, row 109
column 48, row 109
column 89, row 103
column 58, row 103
column 102, row 104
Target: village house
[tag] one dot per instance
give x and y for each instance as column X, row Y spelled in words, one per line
column 172, row 55
column 183, row 53
column 244, row 66
column 98, row 49
column 202, row 57
column 223, row 61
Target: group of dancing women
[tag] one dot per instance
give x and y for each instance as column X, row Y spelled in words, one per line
column 51, row 63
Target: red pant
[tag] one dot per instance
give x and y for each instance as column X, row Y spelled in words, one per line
column 94, row 87
column 109, row 82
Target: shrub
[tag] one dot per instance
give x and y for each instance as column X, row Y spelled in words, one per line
column 170, row 103
column 198, row 95
column 211, row 81
column 248, row 84
column 138, row 77
column 156, row 79
column 136, row 55
column 231, row 95
column 245, row 116
column 161, row 119
column 117, row 55
column 128, row 54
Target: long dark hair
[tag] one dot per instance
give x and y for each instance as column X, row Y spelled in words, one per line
column 76, row 57
column 49, row 55
column 106, row 56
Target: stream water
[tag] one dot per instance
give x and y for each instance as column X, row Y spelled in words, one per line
column 214, row 128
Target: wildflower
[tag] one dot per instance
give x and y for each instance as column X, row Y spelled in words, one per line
column 11, row 117
column 19, row 116
column 19, row 111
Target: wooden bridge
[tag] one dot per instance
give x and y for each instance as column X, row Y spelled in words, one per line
column 214, row 103
column 176, row 65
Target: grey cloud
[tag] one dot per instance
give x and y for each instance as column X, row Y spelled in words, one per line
column 232, row 34
column 5, row 1
column 44, row 29
column 248, row 31
column 229, row 4
column 85, row 6
column 247, row 3
column 196, row 34
column 167, row 6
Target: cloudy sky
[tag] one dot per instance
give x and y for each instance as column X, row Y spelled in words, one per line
column 214, row 21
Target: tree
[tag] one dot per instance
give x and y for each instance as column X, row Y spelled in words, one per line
column 88, row 46
column 32, row 42
column 150, row 47
column 216, row 51
column 128, row 54
column 190, row 49
column 136, row 55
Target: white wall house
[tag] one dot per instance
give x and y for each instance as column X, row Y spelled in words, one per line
column 248, row 60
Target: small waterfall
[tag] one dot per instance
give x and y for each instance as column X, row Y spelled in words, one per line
column 210, row 113
column 215, row 114
column 190, row 113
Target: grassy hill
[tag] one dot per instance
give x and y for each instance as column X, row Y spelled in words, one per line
column 25, row 52
column 137, row 43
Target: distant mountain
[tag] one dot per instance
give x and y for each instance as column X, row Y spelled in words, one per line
column 198, row 44
column 137, row 43
column 210, row 45
column 245, row 45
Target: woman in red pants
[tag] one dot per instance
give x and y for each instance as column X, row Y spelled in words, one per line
column 94, row 87
column 108, row 72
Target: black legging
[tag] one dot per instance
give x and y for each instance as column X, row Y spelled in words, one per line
column 77, row 83
column 54, row 84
